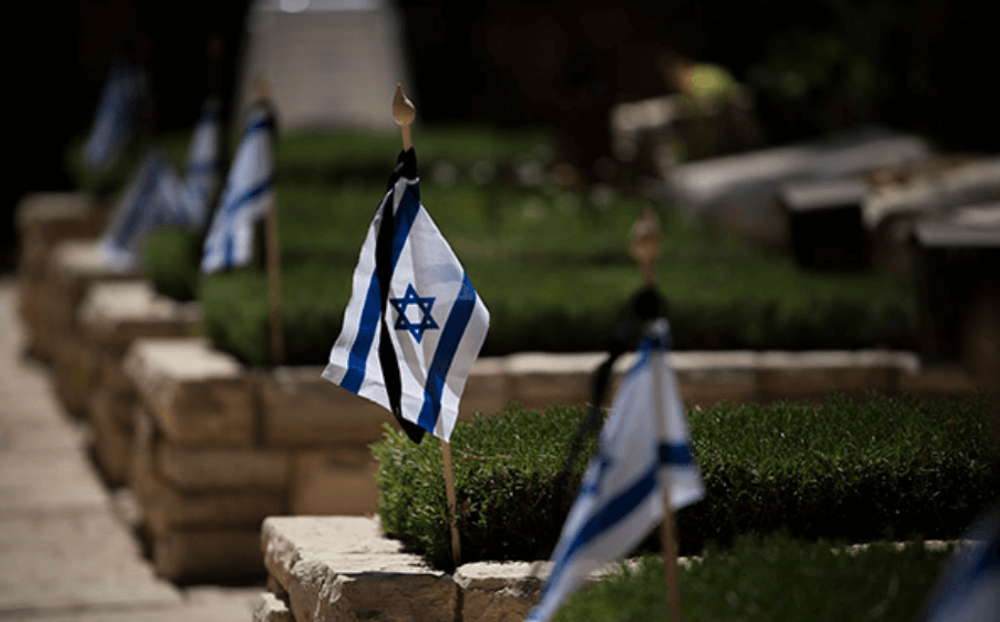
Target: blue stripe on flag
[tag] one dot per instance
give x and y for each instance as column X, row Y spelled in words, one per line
column 357, row 360
column 616, row 509
column 403, row 218
column 127, row 231
column 679, row 455
column 262, row 124
column 248, row 196
column 451, row 337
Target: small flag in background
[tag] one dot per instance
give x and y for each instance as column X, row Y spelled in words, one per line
column 620, row 498
column 139, row 210
column 245, row 199
column 414, row 324
column 969, row 588
column 117, row 116
column 203, row 173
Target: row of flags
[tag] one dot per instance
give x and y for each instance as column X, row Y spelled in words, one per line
column 413, row 328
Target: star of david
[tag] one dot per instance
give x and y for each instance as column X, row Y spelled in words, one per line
column 424, row 304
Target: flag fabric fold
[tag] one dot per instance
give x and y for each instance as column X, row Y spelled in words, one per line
column 414, row 324
column 203, row 171
column 117, row 117
column 140, row 209
column 969, row 588
column 248, row 192
column 158, row 197
column 620, row 498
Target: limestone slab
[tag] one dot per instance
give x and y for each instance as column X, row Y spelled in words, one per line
column 813, row 375
column 538, row 380
column 70, row 483
column 269, row 608
column 116, row 313
column 208, row 555
column 709, row 377
column 301, row 408
column 334, row 482
column 498, row 592
column 198, row 395
column 206, row 469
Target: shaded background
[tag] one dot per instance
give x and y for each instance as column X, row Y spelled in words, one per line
column 927, row 66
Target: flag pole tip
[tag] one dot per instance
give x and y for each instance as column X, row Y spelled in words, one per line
column 263, row 89
column 645, row 242
column 403, row 110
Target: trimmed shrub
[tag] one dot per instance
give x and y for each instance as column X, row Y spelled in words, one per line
column 857, row 470
column 773, row 578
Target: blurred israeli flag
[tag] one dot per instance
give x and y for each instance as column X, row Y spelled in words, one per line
column 139, row 210
column 969, row 588
column 620, row 498
column 203, row 173
column 245, row 198
column 117, row 117
column 414, row 324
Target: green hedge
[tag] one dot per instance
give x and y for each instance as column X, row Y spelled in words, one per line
column 776, row 579
column 859, row 470
column 553, row 268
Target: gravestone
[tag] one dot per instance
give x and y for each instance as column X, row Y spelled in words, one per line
column 329, row 63
column 824, row 221
column 958, row 279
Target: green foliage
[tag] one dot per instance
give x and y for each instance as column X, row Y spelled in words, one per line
column 775, row 578
column 856, row 470
column 551, row 263
column 171, row 260
column 504, row 470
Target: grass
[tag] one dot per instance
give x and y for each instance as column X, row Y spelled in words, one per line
column 858, row 470
column 776, row 579
column 550, row 262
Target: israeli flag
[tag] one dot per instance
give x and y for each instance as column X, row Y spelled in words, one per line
column 620, row 498
column 414, row 324
column 139, row 210
column 969, row 588
column 247, row 195
column 203, row 173
column 117, row 116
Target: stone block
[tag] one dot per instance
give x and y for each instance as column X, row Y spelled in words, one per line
column 206, row 469
column 486, row 390
column 340, row 568
column 114, row 314
column 538, row 380
column 113, row 432
column 334, row 482
column 705, row 378
column 269, row 608
column 935, row 381
column 208, row 556
column 47, row 218
column 198, row 395
column 301, row 408
column 72, row 373
column 813, row 375
column 498, row 592
column 166, row 508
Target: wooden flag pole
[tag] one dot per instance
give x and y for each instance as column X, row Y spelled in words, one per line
column 645, row 247
column 273, row 259
column 404, row 113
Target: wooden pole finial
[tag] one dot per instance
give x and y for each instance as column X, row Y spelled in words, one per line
column 404, row 112
column 645, row 243
column 262, row 89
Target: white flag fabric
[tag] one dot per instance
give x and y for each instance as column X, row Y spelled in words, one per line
column 148, row 202
column 969, row 588
column 203, row 172
column 246, row 197
column 620, row 498
column 117, row 115
column 414, row 324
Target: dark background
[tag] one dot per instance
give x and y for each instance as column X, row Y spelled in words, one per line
column 928, row 66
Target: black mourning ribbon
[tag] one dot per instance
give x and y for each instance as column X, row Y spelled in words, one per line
column 645, row 305
column 406, row 167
